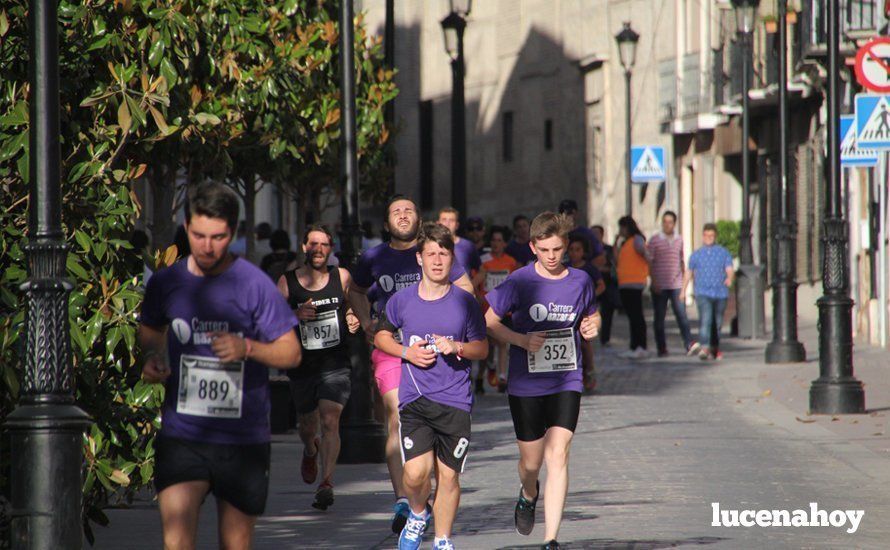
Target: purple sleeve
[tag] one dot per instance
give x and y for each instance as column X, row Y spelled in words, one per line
column 272, row 316
column 475, row 321
column 589, row 295
column 457, row 271
column 502, row 298
column 153, row 314
column 362, row 273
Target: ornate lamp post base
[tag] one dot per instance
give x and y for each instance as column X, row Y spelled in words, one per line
column 785, row 352
column 836, row 391
column 45, row 488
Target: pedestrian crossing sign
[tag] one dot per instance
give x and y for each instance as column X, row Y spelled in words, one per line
column 872, row 121
column 647, row 163
column 851, row 155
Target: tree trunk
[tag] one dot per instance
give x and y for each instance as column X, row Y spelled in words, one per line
column 250, row 216
column 163, row 191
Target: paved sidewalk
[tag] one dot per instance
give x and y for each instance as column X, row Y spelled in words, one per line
column 659, row 442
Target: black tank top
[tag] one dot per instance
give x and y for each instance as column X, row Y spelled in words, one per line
column 324, row 338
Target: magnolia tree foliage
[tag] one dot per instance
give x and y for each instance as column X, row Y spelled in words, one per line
column 241, row 91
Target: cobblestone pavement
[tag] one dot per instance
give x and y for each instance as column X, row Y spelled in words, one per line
column 657, row 444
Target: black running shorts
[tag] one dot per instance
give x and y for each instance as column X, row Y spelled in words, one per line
column 238, row 474
column 533, row 416
column 331, row 385
column 425, row 426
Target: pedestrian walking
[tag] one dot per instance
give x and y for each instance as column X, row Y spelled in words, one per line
column 633, row 273
column 553, row 306
column 211, row 324
column 667, row 263
column 442, row 331
column 319, row 294
column 710, row 267
column 391, row 267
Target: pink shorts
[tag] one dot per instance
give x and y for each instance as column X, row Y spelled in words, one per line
column 387, row 371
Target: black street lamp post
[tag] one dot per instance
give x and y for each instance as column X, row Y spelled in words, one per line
column 784, row 348
column 836, row 391
column 363, row 439
column 750, row 277
column 627, row 52
column 453, row 27
column 46, row 428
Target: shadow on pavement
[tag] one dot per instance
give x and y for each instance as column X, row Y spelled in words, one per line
column 616, row 544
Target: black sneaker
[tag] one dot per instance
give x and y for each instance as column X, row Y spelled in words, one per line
column 552, row 545
column 324, row 496
column 524, row 514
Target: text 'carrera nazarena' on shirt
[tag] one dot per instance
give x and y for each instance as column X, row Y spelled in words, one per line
column 553, row 306
column 207, row 400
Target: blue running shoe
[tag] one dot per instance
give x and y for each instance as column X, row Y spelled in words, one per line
column 412, row 534
column 400, row 515
column 443, row 544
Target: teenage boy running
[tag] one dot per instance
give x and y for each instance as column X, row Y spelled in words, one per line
column 443, row 330
column 210, row 325
column 318, row 294
column 393, row 266
column 552, row 307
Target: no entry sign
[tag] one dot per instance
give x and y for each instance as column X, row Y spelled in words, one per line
column 873, row 65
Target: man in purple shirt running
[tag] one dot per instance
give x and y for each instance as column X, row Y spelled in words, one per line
column 442, row 331
column 464, row 250
column 210, row 326
column 553, row 306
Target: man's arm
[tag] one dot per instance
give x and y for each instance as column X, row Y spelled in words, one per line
column 465, row 283
column 687, row 277
column 153, row 341
column 531, row 342
column 285, row 352
column 730, row 275
column 358, row 301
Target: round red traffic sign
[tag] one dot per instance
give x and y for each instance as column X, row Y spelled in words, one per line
column 873, row 65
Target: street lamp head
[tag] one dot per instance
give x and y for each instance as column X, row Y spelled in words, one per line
column 627, row 46
column 746, row 14
column 461, row 7
column 453, row 29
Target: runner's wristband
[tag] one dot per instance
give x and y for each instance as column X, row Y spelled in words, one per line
column 247, row 348
column 404, row 352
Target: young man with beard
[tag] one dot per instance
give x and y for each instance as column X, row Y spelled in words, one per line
column 320, row 387
column 210, row 326
column 552, row 307
column 392, row 267
column 443, row 330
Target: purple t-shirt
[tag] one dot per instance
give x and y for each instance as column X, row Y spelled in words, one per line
column 201, row 403
column 541, row 304
column 456, row 316
column 522, row 253
column 392, row 270
column 466, row 254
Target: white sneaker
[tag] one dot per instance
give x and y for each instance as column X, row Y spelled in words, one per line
column 641, row 353
column 629, row 354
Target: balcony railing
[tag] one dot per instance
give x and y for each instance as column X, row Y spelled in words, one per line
column 857, row 17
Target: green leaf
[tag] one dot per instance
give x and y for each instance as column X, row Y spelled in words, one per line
column 4, row 23
column 207, row 118
column 79, row 338
column 83, row 240
column 24, row 167
column 136, row 111
column 74, row 267
column 156, row 53
column 168, row 72
column 18, row 115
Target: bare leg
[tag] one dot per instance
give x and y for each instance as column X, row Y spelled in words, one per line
column 180, row 505
column 447, row 499
column 502, row 359
column 531, row 457
column 416, row 481
column 556, row 457
column 393, row 445
column 330, row 436
column 235, row 527
column 308, row 428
